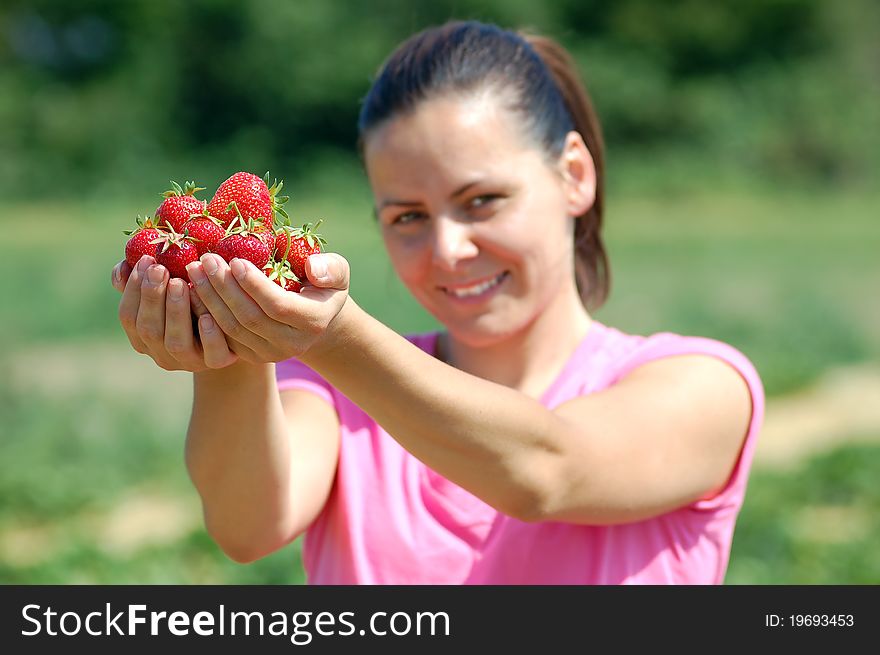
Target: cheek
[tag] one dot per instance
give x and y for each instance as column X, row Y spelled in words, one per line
column 407, row 258
column 543, row 246
column 532, row 238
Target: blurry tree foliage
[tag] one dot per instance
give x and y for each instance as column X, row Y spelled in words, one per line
column 97, row 90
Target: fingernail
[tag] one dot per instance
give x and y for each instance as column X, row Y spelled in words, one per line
column 319, row 267
column 143, row 263
column 239, row 269
column 155, row 274
column 175, row 289
column 195, row 272
column 117, row 278
column 206, row 323
column 210, row 264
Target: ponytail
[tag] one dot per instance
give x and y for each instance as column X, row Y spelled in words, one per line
column 592, row 271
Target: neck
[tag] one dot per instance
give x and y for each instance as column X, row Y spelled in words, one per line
column 528, row 360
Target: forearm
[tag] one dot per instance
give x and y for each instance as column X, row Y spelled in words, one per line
column 238, row 457
column 489, row 439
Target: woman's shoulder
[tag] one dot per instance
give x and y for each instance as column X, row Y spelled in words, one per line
column 609, row 354
column 623, row 351
column 632, row 350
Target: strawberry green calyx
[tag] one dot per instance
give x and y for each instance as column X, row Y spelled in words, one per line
column 175, row 252
column 140, row 241
column 188, row 189
column 238, row 218
column 189, row 237
column 277, row 200
column 205, row 230
column 296, row 244
column 280, row 272
column 307, row 232
column 246, row 227
column 204, row 214
column 170, row 237
column 145, row 223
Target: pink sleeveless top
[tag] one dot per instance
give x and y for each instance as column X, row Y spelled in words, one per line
column 392, row 520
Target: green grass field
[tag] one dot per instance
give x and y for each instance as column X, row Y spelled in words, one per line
column 92, row 483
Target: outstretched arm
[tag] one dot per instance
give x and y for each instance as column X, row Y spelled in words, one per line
column 666, row 435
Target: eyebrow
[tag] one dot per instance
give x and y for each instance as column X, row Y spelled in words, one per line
column 412, row 203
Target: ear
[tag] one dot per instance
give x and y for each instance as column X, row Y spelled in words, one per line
column 578, row 174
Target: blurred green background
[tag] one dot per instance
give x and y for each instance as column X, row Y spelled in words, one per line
column 743, row 156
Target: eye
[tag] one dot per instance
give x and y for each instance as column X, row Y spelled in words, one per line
column 484, row 206
column 407, row 218
column 482, row 201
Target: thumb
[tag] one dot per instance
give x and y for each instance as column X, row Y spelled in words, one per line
column 328, row 270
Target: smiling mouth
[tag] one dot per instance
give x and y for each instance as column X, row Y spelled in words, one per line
column 478, row 288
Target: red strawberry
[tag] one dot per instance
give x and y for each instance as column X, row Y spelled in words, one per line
column 245, row 243
column 141, row 241
column 295, row 244
column 175, row 252
column 253, row 196
column 179, row 205
column 206, row 232
column 280, row 274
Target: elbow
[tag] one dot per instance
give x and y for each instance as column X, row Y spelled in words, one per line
column 244, row 546
column 234, row 546
column 243, row 551
column 532, row 493
column 528, row 503
column 238, row 554
column 530, row 509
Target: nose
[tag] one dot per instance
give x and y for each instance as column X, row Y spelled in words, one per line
column 453, row 243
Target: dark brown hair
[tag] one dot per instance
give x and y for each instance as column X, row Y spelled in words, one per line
column 539, row 83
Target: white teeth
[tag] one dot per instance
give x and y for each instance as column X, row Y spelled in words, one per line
column 477, row 289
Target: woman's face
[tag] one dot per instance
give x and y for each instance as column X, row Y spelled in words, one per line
column 476, row 222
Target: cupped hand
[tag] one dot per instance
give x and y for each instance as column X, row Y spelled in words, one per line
column 156, row 314
column 272, row 324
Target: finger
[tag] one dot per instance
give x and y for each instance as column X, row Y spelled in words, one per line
column 199, row 309
column 179, row 340
column 217, row 305
column 246, row 310
column 120, row 275
column 151, row 313
column 283, row 306
column 216, row 352
column 195, row 303
column 328, row 270
column 306, row 312
column 130, row 302
column 269, row 296
column 244, row 352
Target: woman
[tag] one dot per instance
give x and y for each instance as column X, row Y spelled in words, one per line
column 526, row 443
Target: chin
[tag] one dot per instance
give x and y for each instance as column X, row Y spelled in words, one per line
column 480, row 328
column 484, row 331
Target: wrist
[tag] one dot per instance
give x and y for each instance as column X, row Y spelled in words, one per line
column 338, row 333
column 234, row 373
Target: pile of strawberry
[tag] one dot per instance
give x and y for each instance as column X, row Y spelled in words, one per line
column 244, row 219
